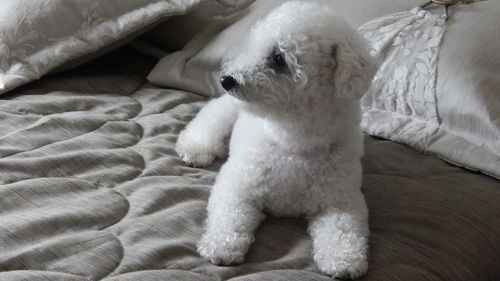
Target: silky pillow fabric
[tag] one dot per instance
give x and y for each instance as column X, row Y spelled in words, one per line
column 37, row 36
column 464, row 123
column 450, row 108
column 468, row 89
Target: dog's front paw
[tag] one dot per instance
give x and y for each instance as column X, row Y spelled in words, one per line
column 197, row 158
column 224, row 250
column 194, row 153
column 343, row 268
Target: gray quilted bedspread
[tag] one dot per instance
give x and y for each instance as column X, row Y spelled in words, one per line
column 91, row 189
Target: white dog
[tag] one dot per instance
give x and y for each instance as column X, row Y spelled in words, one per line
column 293, row 110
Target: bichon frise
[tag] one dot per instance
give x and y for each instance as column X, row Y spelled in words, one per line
column 292, row 106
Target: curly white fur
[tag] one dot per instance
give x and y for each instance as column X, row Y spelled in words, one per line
column 296, row 144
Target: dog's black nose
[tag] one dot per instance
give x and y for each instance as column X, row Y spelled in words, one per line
column 227, row 82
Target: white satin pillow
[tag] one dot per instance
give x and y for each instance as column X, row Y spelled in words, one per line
column 37, row 36
column 439, row 87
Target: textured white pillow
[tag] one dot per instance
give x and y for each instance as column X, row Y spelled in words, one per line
column 465, row 127
column 37, row 36
column 439, row 95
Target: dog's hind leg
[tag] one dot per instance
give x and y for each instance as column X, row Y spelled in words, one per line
column 340, row 238
column 205, row 137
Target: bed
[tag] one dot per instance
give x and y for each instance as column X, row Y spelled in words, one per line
column 92, row 189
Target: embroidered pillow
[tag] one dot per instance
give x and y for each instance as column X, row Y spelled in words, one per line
column 438, row 89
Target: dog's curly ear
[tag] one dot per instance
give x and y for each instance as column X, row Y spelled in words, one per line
column 354, row 68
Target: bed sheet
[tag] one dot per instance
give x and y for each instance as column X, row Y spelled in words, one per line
column 91, row 189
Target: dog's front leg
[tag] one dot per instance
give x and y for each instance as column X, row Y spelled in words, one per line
column 204, row 137
column 340, row 237
column 231, row 222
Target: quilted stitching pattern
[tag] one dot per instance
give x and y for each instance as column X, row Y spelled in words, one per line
column 71, row 174
column 91, row 189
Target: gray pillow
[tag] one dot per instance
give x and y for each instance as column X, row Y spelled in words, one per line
column 173, row 34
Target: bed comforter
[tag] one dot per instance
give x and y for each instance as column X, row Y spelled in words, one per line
column 91, row 189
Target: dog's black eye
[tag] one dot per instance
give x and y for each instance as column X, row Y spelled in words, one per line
column 279, row 59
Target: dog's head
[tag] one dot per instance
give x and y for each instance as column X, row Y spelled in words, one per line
column 300, row 50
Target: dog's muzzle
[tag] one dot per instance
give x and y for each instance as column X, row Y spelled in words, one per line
column 231, row 86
